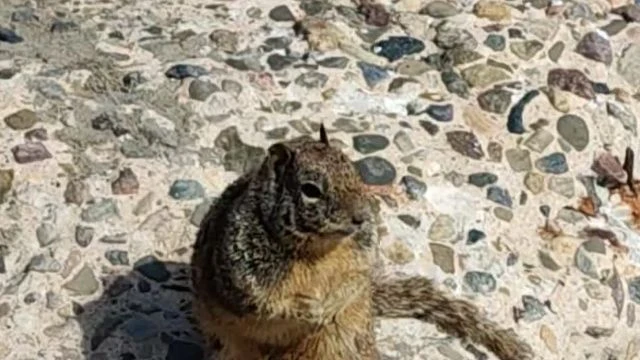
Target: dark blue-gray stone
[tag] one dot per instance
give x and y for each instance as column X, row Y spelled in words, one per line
column 9, row 36
column 555, row 163
column 443, row 113
column 515, row 122
column 369, row 143
column 183, row 71
column 413, row 187
column 474, row 236
column 482, row 179
column 601, row 88
column 373, row 74
column 375, row 170
column 395, row 47
column 152, row 268
column 186, row 190
column 455, row 83
column 499, row 195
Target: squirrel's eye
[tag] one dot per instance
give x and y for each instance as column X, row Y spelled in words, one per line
column 311, row 190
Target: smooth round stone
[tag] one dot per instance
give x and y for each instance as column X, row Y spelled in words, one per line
column 370, row 143
column 281, row 13
column 526, row 50
column 555, row 51
column 439, row 9
column 375, row 170
column 573, row 129
column 186, row 190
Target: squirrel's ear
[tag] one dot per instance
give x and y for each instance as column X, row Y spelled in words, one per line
column 280, row 156
column 323, row 135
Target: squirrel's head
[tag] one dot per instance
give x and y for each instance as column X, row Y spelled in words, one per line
column 315, row 189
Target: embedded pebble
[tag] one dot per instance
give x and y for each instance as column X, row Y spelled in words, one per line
column 375, row 170
column 480, row 282
column 495, row 100
column 596, row 47
column 395, row 47
column 21, row 120
column 518, row 159
column 442, row 228
column 499, row 195
column 373, row 74
column 561, row 185
column 443, row 113
column 515, row 120
column 99, row 210
column 474, row 235
column 183, row 71
column 126, row 183
column 30, row 152
column 555, row 163
column 83, row 283
column 573, row 130
column 465, row 143
column 482, row 179
column 539, row 140
column 414, row 187
column 443, row 257
column 186, row 190
column 370, row 143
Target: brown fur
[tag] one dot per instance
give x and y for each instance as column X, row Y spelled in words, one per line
column 283, row 267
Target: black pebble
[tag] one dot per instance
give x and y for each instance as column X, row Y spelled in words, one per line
column 515, row 121
column 9, row 36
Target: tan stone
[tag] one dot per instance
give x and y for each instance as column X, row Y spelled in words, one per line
column 492, row 10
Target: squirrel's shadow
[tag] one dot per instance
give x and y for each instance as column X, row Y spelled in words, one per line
column 143, row 314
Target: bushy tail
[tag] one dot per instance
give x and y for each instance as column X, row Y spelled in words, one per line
column 418, row 298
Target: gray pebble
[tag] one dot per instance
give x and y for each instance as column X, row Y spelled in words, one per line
column 480, row 281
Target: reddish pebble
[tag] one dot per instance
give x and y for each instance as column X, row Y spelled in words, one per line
column 126, row 183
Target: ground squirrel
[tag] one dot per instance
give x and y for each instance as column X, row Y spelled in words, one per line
column 284, row 267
